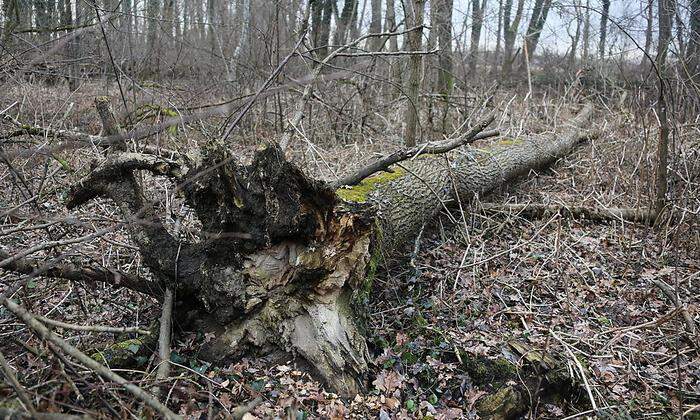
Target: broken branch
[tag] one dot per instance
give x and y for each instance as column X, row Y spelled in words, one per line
column 404, row 154
column 46, row 334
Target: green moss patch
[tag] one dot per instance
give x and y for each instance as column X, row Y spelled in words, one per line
column 360, row 192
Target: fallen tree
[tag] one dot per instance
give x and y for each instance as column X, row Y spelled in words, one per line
column 285, row 263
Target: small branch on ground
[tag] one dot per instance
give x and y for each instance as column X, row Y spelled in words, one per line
column 164, row 338
column 92, row 328
column 598, row 214
column 404, row 154
column 38, row 328
column 14, row 383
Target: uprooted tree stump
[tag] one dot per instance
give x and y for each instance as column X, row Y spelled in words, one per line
column 285, row 263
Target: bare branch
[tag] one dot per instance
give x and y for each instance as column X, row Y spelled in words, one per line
column 44, row 333
column 77, row 273
column 404, row 154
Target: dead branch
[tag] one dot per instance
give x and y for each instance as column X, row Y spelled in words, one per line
column 673, row 297
column 164, row 337
column 118, row 166
column 598, row 214
column 78, row 273
column 92, row 328
column 46, row 334
column 300, row 105
column 14, row 383
column 404, row 154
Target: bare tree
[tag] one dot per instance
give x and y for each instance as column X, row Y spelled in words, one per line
column 693, row 50
column 375, row 25
column 413, row 10
column 478, row 9
column 510, row 31
column 665, row 13
column 603, row 28
column 534, row 30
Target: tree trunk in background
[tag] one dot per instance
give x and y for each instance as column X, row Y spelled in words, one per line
column 321, row 11
column 43, row 19
column 413, row 11
column 393, row 43
column 693, row 50
column 603, row 28
column 510, row 31
column 375, row 25
column 152, row 12
column 445, row 79
column 74, row 45
column 577, row 36
column 341, row 31
column 11, row 13
column 649, row 33
column 534, row 30
column 665, row 13
column 586, row 31
column 499, row 30
column 477, row 23
column 679, row 29
column 390, row 25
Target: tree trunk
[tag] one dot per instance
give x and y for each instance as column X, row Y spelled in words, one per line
column 661, row 108
column 321, row 11
column 477, row 23
column 414, row 19
column 649, row 33
column 576, row 37
column 603, row 28
column 375, row 25
column 534, row 30
column 693, row 49
column 286, row 263
column 510, row 31
column 586, row 32
column 499, row 29
column 445, row 79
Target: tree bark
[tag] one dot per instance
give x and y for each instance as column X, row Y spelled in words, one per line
column 477, row 23
column 375, row 25
column 286, row 263
column 510, row 31
column 661, row 107
column 603, row 28
column 414, row 19
column 534, row 30
column 693, row 50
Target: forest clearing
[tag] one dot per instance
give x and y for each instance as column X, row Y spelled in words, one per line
column 387, row 209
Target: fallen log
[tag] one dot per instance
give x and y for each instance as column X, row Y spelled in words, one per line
column 285, row 263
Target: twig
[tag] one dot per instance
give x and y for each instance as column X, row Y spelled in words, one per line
column 93, row 328
column 580, row 369
column 673, row 297
column 301, row 103
column 44, row 333
column 164, row 337
column 404, row 154
column 265, row 85
column 14, row 383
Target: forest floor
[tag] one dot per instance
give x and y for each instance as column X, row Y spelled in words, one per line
column 480, row 283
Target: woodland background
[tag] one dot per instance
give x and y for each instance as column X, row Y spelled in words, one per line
column 614, row 301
